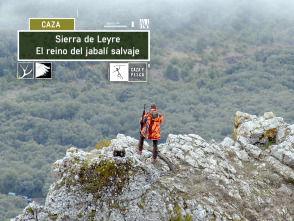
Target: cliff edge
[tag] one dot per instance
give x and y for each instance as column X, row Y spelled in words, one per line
column 249, row 176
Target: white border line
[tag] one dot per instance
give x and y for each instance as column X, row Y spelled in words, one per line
column 117, row 60
column 115, row 26
column 52, row 18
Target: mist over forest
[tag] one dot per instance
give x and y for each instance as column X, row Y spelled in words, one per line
column 209, row 59
column 171, row 14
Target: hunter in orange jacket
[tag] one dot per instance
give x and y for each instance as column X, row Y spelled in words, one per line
column 150, row 129
column 151, row 122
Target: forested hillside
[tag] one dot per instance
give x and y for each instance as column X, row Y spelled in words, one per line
column 203, row 69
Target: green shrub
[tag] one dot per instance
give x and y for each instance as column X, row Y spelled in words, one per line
column 102, row 143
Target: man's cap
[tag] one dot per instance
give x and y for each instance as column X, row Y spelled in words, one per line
column 153, row 105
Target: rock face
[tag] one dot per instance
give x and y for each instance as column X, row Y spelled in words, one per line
column 249, row 177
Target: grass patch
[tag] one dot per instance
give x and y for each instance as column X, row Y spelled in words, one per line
column 31, row 210
column 178, row 216
column 91, row 215
column 53, row 216
column 271, row 142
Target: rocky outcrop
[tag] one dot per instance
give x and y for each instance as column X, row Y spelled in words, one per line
column 247, row 177
column 267, row 132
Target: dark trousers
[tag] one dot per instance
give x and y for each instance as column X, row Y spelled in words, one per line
column 155, row 149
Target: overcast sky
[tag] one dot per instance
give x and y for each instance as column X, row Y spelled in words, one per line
column 16, row 12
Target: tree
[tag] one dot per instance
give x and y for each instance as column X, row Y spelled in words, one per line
column 201, row 45
column 9, row 181
column 172, row 73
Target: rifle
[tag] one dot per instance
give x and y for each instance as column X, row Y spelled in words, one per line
column 142, row 124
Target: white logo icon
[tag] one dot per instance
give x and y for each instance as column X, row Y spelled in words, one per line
column 43, row 70
column 25, row 70
column 144, row 23
column 118, row 71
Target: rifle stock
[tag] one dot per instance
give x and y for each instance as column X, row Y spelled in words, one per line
column 142, row 117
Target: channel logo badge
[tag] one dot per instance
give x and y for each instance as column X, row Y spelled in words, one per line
column 144, row 23
column 25, row 70
column 119, row 72
column 137, row 72
column 43, row 70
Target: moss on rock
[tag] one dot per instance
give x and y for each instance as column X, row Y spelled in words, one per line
column 94, row 176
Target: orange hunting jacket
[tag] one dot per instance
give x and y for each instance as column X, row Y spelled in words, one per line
column 151, row 125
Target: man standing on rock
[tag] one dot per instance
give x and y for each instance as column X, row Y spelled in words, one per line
column 150, row 129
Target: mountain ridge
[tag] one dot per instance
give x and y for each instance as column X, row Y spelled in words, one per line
column 247, row 177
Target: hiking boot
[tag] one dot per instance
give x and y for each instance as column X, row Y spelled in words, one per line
column 138, row 151
column 154, row 161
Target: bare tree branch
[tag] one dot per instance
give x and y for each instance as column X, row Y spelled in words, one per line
column 24, row 71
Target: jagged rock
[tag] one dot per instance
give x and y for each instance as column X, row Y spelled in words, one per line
column 285, row 190
column 252, row 150
column 252, row 130
column 233, row 180
column 227, row 142
column 284, row 151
